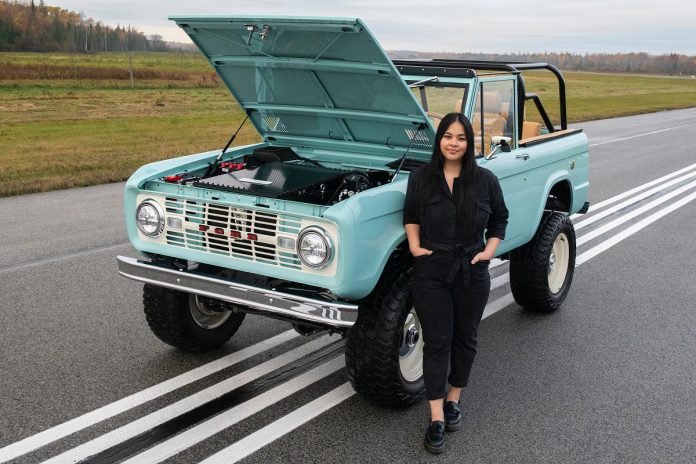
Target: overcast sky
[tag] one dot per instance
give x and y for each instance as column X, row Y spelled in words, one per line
column 589, row 26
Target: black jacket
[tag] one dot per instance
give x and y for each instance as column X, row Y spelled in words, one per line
column 439, row 226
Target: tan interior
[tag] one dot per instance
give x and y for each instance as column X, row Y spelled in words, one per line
column 530, row 129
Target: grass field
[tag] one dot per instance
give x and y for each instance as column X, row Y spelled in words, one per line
column 66, row 132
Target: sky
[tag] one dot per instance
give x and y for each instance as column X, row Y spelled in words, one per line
column 497, row 26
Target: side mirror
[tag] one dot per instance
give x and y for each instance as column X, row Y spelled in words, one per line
column 499, row 143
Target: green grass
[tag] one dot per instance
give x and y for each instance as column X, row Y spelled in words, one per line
column 165, row 61
column 62, row 133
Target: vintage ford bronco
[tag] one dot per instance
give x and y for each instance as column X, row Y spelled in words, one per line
column 306, row 226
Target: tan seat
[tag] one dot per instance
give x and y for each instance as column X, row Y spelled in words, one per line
column 530, row 129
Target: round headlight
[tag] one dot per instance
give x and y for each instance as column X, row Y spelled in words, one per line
column 314, row 247
column 150, row 218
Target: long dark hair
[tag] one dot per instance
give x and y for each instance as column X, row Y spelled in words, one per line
column 428, row 183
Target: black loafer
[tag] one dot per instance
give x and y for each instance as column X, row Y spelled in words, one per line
column 435, row 437
column 453, row 416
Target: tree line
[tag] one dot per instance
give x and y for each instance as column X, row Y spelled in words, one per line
column 29, row 26
column 671, row 64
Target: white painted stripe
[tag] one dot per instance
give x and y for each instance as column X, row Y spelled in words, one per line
column 281, row 427
column 584, row 238
column 499, row 304
column 156, row 418
column 500, row 281
column 266, row 435
column 234, row 415
column 632, row 200
column 62, row 430
column 495, row 306
column 614, row 239
column 643, row 134
column 77, row 254
column 277, row 429
column 632, row 214
column 57, row 432
column 634, row 190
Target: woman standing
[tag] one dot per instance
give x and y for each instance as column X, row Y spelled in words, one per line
column 449, row 204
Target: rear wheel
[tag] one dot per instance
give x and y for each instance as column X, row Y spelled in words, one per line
column 187, row 321
column 384, row 350
column 541, row 271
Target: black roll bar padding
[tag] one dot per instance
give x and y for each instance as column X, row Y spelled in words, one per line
column 542, row 111
column 512, row 67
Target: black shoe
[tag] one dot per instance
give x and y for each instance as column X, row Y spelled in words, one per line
column 435, row 437
column 453, row 416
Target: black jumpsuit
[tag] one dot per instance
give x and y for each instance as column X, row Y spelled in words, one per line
column 449, row 293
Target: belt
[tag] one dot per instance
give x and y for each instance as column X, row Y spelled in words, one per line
column 463, row 255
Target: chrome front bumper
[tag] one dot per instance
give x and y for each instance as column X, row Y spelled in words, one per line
column 327, row 313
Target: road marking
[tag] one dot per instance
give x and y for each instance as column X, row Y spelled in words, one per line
column 584, row 238
column 593, row 208
column 637, row 189
column 217, row 424
column 632, row 200
column 632, row 214
column 206, row 395
column 129, row 402
column 134, row 400
column 614, row 239
column 287, row 424
column 59, row 258
column 642, row 134
column 277, row 429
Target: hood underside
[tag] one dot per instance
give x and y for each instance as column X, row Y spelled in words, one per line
column 313, row 81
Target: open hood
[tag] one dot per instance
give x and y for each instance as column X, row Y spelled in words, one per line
column 317, row 82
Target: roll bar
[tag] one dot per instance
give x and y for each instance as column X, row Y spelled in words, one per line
column 468, row 68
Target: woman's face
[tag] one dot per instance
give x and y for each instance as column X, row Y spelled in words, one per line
column 453, row 143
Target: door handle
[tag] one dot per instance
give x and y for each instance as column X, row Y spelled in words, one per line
column 522, row 156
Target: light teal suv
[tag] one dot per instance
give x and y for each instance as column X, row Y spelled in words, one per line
column 307, row 225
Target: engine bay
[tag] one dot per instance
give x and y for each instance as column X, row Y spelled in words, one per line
column 278, row 172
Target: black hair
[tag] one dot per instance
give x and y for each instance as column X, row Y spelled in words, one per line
column 428, row 182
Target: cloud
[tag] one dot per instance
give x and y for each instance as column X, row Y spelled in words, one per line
column 454, row 26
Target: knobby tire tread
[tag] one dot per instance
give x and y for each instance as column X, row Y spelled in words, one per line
column 529, row 266
column 166, row 311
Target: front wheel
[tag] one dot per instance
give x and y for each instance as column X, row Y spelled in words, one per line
column 542, row 270
column 189, row 321
column 384, row 350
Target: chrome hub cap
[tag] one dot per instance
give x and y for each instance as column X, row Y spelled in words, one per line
column 411, row 349
column 205, row 315
column 558, row 263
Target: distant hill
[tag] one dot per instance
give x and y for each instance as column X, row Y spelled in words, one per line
column 31, row 26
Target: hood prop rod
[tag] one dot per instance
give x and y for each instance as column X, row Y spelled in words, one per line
column 212, row 167
column 421, row 126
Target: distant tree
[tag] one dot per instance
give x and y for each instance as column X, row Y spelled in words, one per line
column 26, row 26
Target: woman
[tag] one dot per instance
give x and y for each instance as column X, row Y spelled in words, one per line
column 449, row 203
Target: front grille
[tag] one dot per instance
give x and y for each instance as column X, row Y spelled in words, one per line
column 219, row 221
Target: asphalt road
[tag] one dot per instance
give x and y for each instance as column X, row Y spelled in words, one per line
column 608, row 378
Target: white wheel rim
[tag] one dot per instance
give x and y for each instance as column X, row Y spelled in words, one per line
column 204, row 317
column 411, row 349
column 558, row 263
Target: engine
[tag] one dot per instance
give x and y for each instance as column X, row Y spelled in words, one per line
column 280, row 173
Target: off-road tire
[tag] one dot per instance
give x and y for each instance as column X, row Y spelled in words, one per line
column 372, row 346
column 529, row 266
column 169, row 316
